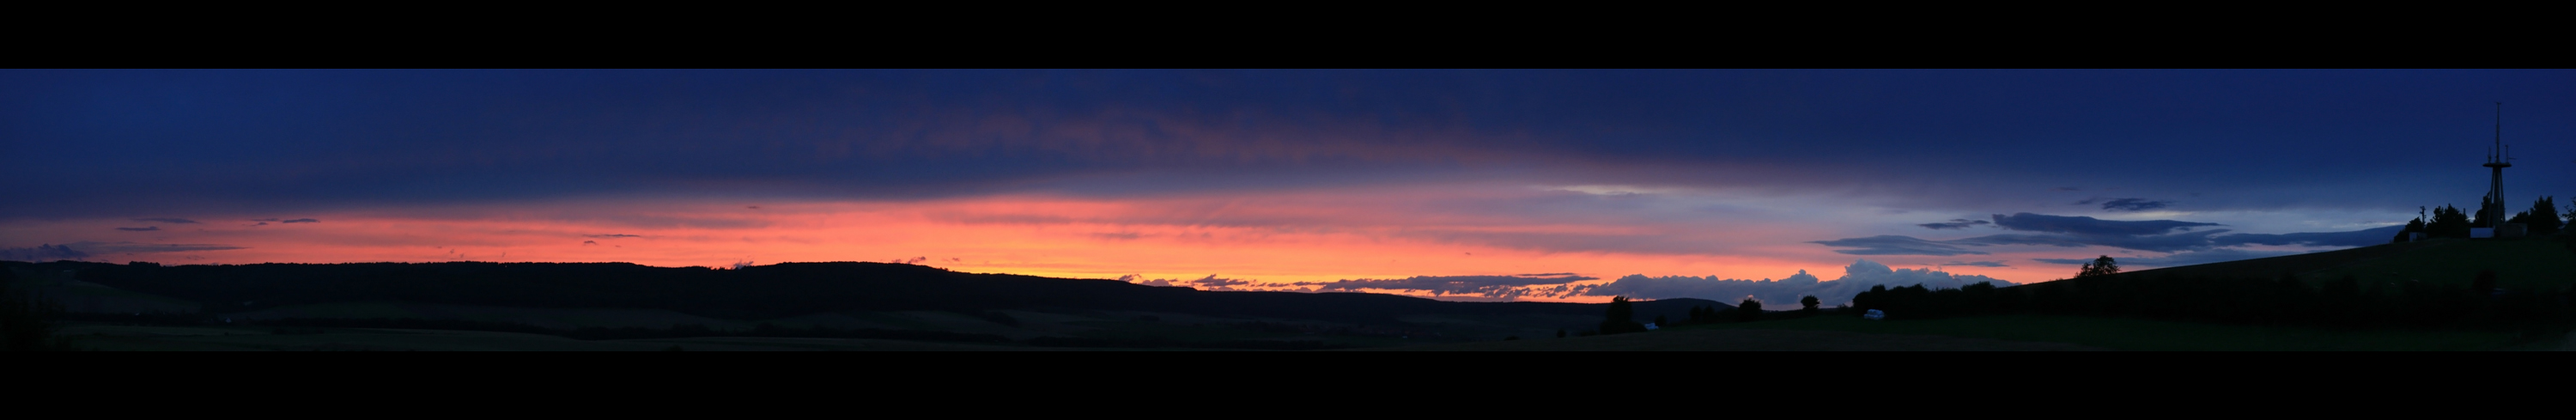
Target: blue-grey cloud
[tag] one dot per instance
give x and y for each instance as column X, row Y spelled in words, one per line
column 2158, row 243
column 172, row 220
column 1952, row 224
column 300, row 221
column 90, row 250
column 1857, row 277
column 2135, row 204
column 2083, row 225
column 140, row 229
column 1896, row 245
column 1488, row 286
column 42, row 253
column 2364, row 237
column 2179, row 259
column 1212, row 281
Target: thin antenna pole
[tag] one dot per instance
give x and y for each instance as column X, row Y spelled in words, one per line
column 2499, row 132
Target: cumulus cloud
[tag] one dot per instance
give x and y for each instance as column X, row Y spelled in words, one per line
column 1857, row 277
column 1952, row 224
column 140, row 229
column 171, row 220
column 1896, row 245
column 300, row 221
column 88, row 249
column 1511, row 286
column 2082, row 225
column 1213, row 281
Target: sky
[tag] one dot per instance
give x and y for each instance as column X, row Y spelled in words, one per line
column 1550, row 185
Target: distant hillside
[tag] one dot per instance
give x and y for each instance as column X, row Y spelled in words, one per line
column 760, row 292
column 2526, row 261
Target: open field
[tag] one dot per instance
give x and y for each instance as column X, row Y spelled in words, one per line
column 2527, row 263
column 2141, row 334
column 1999, row 333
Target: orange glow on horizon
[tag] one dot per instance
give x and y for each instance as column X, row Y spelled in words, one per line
column 1270, row 239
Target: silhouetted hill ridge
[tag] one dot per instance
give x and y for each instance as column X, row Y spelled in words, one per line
column 761, row 292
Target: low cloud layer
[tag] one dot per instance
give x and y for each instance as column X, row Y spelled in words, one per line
column 2134, row 204
column 2179, row 259
column 1896, row 245
column 2082, row 225
column 171, row 220
column 1952, row 224
column 1784, row 293
column 300, row 221
column 140, row 229
column 88, row 250
column 1489, row 286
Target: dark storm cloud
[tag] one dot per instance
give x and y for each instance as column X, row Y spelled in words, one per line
column 1488, row 286
column 256, row 140
column 2082, row 225
column 173, row 220
column 1895, row 245
column 1997, row 264
column 1952, row 224
column 140, row 229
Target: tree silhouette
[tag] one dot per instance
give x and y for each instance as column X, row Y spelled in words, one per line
column 2542, row 219
column 2448, row 222
column 2099, row 267
column 1749, row 311
column 1622, row 317
column 1810, row 302
column 2412, row 227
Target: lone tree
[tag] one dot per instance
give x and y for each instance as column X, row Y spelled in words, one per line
column 2099, row 267
column 1749, row 311
column 1810, row 303
column 1622, row 317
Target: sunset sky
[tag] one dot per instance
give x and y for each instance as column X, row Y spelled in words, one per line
column 1469, row 184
